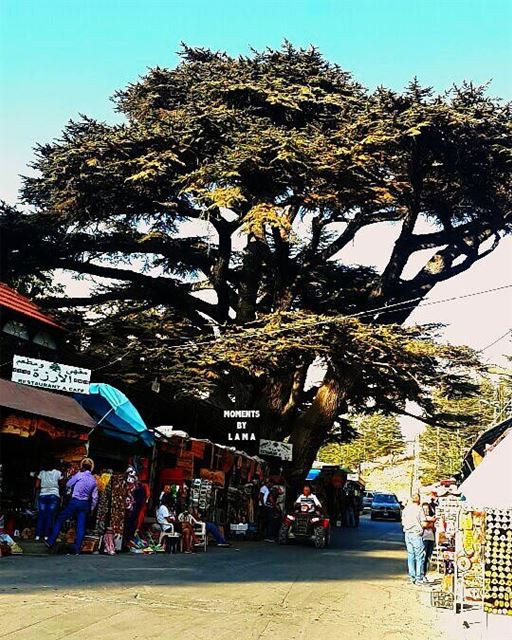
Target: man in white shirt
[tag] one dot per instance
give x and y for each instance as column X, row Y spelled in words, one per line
column 266, row 511
column 413, row 523
column 308, row 502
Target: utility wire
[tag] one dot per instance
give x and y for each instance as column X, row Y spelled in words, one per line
column 392, row 308
column 399, row 306
column 495, row 341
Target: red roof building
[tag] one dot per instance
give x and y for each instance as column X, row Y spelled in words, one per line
column 25, row 329
column 10, row 299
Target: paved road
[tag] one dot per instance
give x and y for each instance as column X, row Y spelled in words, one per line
column 356, row 589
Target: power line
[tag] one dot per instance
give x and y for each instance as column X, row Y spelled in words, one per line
column 118, row 359
column 496, row 341
column 392, row 308
column 399, row 306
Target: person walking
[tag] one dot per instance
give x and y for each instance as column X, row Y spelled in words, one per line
column 84, row 498
column 48, row 501
column 350, row 509
column 413, row 523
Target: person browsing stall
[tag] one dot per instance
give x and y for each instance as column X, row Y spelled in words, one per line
column 84, row 498
column 48, row 501
column 413, row 524
column 266, row 510
column 428, row 533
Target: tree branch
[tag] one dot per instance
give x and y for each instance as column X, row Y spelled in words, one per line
column 166, row 290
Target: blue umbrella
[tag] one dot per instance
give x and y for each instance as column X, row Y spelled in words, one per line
column 115, row 413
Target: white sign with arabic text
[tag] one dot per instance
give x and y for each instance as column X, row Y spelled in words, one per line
column 50, row 375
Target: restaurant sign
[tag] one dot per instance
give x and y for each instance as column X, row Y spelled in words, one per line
column 281, row 450
column 50, row 375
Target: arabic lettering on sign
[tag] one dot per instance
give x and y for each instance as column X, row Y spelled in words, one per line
column 50, row 375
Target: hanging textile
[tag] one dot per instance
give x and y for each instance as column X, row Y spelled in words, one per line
column 227, row 461
column 185, row 462
column 198, row 448
column 218, row 478
column 104, row 483
column 74, row 454
column 144, row 508
column 118, row 503
column 18, row 426
column 132, row 516
column 131, row 480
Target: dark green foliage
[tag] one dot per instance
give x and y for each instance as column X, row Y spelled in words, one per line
column 245, row 177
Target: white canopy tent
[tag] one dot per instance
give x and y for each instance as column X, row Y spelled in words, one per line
column 490, row 484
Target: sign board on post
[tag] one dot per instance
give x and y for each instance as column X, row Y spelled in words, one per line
column 279, row 449
column 50, row 375
column 353, row 476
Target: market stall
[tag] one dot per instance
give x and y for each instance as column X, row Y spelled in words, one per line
column 488, row 490
column 34, row 425
column 477, row 524
column 222, row 483
column 122, row 447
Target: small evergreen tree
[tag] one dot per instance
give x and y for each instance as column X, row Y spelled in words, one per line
column 378, row 435
column 443, row 448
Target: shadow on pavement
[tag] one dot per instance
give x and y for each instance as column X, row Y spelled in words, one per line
column 373, row 552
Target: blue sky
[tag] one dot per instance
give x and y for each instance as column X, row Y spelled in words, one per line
column 60, row 58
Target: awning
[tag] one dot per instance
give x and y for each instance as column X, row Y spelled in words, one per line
column 313, row 474
column 480, row 445
column 115, row 414
column 20, row 397
column 490, row 484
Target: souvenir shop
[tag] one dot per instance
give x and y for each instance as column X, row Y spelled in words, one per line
column 474, row 533
column 35, row 425
column 122, row 448
column 220, row 482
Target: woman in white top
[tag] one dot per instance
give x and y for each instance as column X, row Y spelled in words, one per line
column 165, row 514
column 48, row 502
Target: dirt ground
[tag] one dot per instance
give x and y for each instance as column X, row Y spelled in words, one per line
column 356, row 589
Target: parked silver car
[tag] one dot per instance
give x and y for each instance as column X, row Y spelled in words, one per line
column 367, row 500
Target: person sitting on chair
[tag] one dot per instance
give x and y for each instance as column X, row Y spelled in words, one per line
column 165, row 514
column 212, row 529
column 187, row 530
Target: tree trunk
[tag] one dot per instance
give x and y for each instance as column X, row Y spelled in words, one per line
column 313, row 426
